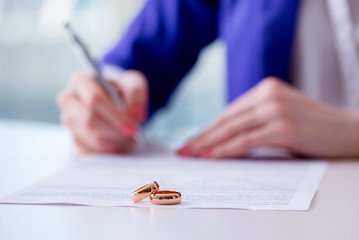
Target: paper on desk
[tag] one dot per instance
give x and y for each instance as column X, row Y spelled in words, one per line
column 102, row 180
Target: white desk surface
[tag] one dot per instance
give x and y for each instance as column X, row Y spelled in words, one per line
column 31, row 151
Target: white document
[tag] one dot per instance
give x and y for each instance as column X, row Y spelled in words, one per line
column 108, row 180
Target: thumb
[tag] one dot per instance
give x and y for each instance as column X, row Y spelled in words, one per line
column 132, row 85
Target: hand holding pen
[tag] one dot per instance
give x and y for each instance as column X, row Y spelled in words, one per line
column 103, row 115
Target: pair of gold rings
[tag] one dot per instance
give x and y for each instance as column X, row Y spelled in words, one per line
column 156, row 196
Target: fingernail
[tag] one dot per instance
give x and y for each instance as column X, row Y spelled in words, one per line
column 128, row 129
column 136, row 110
column 205, row 154
column 185, row 151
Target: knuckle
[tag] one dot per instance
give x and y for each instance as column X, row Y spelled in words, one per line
column 271, row 82
column 284, row 127
column 89, row 121
column 78, row 142
column 277, row 109
column 99, row 141
column 92, row 101
column 271, row 88
column 271, row 92
column 230, row 130
column 246, row 143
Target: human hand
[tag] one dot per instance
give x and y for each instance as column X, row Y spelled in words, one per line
column 276, row 114
column 96, row 123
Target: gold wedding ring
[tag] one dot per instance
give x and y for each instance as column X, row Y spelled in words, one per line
column 165, row 197
column 144, row 191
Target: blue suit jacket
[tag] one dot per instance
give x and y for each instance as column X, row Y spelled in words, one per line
column 165, row 39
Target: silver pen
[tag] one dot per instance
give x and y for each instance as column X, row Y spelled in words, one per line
column 86, row 58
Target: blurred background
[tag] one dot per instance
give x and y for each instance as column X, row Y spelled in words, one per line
column 36, row 62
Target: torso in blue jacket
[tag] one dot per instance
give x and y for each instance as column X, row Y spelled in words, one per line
column 165, row 39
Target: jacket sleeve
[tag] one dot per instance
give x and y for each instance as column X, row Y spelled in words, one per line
column 164, row 41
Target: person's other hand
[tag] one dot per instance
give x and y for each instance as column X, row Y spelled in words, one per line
column 276, row 114
column 97, row 124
